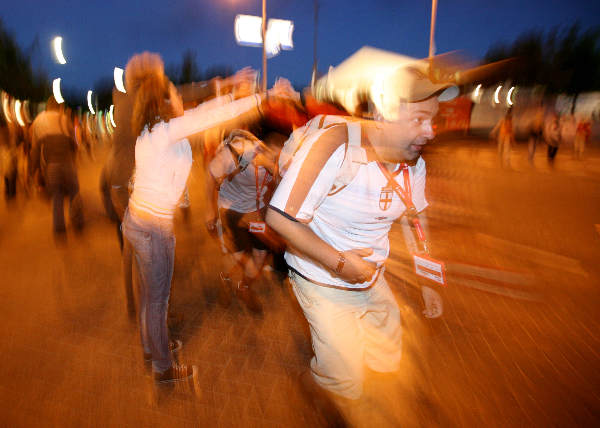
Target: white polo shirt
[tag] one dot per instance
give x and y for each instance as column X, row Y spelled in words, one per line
column 359, row 215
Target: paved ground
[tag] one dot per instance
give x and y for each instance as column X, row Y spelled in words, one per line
column 517, row 346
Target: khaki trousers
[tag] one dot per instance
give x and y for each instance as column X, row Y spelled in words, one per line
column 350, row 330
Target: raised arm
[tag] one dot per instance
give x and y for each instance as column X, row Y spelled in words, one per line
column 213, row 113
column 223, row 111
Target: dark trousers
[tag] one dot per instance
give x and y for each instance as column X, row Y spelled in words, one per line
column 10, row 185
column 61, row 180
column 552, row 152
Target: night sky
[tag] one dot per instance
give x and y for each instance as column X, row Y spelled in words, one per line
column 99, row 35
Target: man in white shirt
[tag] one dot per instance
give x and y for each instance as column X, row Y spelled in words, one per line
column 241, row 171
column 53, row 152
column 338, row 235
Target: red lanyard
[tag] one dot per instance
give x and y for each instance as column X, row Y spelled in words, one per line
column 259, row 189
column 405, row 195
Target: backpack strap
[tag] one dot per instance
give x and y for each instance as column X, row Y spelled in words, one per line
column 354, row 157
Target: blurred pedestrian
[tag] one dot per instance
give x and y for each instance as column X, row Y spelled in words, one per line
column 10, row 161
column 334, row 207
column 582, row 136
column 241, row 172
column 163, row 159
column 118, row 169
column 552, row 135
column 504, row 133
column 54, row 155
column 536, row 132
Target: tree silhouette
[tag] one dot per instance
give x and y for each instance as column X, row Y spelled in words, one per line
column 189, row 71
column 17, row 76
column 562, row 61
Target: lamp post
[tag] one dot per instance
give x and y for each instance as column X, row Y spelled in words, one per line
column 314, row 70
column 264, row 48
column 432, row 39
column 432, row 30
column 273, row 36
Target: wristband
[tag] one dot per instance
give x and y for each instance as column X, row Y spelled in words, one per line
column 340, row 264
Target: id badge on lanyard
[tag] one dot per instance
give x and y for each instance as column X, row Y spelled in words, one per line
column 429, row 268
column 425, row 266
column 258, row 226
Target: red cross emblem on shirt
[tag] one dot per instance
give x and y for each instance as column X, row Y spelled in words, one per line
column 385, row 198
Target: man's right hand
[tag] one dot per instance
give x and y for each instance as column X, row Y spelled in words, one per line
column 282, row 88
column 243, row 82
column 211, row 225
column 356, row 269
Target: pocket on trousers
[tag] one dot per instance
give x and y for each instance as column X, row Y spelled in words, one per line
column 136, row 236
column 300, row 285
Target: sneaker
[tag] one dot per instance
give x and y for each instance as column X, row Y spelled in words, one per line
column 176, row 373
column 224, row 295
column 174, row 346
column 248, row 296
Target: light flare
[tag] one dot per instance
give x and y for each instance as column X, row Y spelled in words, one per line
column 509, row 100
column 5, row 107
column 497, row 94
column 111, row 115
column 118, row 76
column 57, row 43
column 18, row 112
column 89, row 101
column 56, row 91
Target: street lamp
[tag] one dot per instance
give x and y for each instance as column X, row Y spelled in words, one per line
column 264, row 39
column 273, row 35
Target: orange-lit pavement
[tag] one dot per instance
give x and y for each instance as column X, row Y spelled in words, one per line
column 518, row 344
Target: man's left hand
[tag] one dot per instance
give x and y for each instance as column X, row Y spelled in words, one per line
column 434, row 307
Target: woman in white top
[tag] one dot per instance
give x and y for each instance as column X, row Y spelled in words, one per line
column 163, row 159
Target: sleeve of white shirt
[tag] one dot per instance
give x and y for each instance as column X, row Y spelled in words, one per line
column 311, row 175
column 418, row 190
column 222, row 164
column 210, row 114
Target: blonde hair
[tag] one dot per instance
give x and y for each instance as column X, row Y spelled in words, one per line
column 146, row 82
column 151, row 103
column 139, row 66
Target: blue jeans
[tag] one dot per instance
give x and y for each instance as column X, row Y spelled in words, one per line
column 153, row 244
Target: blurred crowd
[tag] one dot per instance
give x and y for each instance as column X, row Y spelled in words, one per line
column 545, row 126
column 293, row 184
